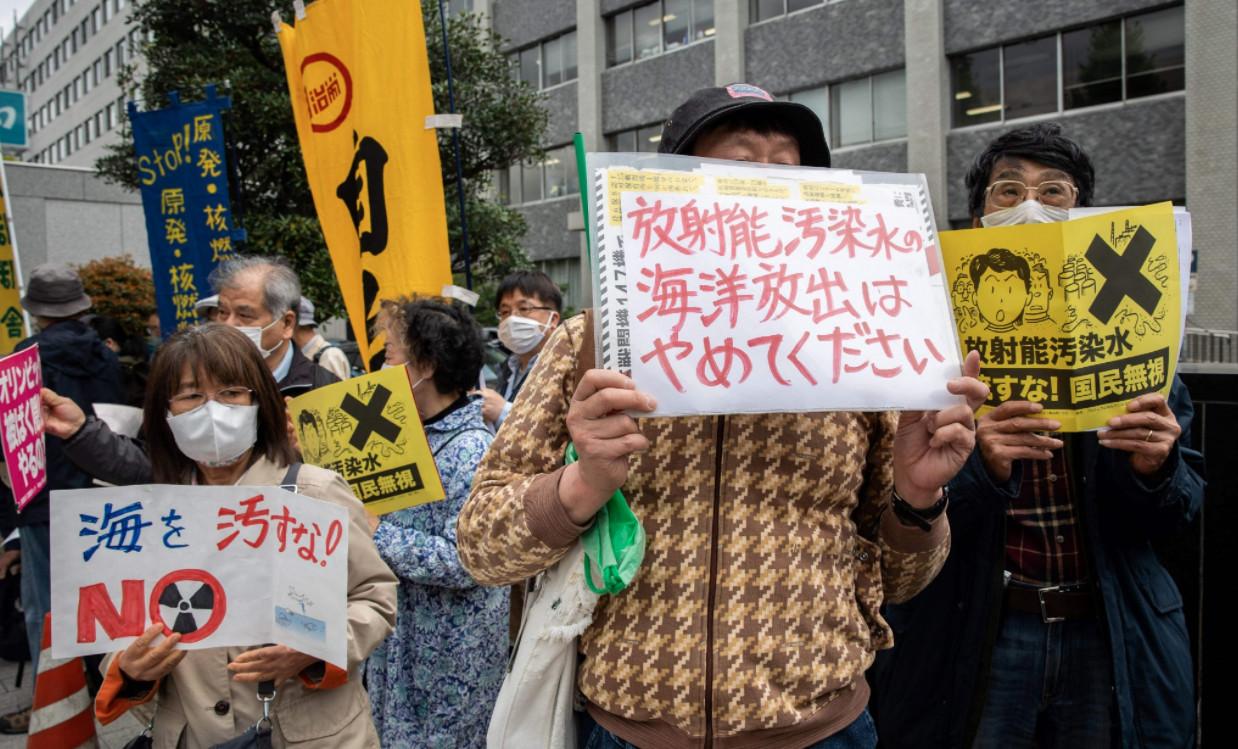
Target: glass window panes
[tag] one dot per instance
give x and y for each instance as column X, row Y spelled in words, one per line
column 852, row 105
column 816, row 99
column 794, row 5
column 763, row 9
column 531, row 181
column 619, row 38
column 676, row 23
column 976, row 83
column 890, row 105
column 647, row 30
column 648, row 138
column 569, row 56
column 529, row 67
column 702, row 19
column 556, row 173
column 1030, row 75
column 1154, row 53
column 552, row 62
column 1092, row 65
column 623, row 141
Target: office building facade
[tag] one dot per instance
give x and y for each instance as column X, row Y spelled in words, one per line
column 901, row 85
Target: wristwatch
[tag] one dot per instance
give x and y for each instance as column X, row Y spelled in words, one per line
column 922, row 519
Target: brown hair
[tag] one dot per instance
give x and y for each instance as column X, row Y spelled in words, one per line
column 224, row 355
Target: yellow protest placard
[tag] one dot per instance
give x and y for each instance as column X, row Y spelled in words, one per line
column 12, row 324
column 359, row 79
column 367, row 430
column 1081, row 316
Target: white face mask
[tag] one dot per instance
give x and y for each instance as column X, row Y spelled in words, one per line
column 522, row 334
column 1027, row 212
column 214, row 434
column 254, row 334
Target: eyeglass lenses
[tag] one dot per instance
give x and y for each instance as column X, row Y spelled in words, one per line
column 522, row 311
column 237, row 396
column 1009, row 193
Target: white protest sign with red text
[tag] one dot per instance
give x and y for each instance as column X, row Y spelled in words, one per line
column 21, row 424
column 223, row 566
column 733, row 289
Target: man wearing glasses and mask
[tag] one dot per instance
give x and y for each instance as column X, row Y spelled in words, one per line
column 1053, row 623
column 529, row 307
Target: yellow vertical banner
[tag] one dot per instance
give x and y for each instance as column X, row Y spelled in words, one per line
column 12, row 322
column 367, row 430
column 359, row 78
column 1081, row 316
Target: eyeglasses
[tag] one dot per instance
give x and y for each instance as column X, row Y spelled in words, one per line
column 522, row 311
column 230, row 396
column 1007, row 193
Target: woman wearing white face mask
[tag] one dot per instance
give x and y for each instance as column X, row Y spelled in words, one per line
column 213, row 416
column 435, row 680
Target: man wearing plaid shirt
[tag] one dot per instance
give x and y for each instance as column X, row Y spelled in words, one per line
column 1053, row 623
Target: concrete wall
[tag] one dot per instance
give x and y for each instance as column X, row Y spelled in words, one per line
column 522, row 22
column 887, row 156
column 826, row 44
column 549, row 236
column 645, row 91
column 1137, row 148
column 68, row 215
column 971, row 25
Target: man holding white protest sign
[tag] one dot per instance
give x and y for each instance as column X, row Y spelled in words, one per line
column 773, row 538
column 215, row 419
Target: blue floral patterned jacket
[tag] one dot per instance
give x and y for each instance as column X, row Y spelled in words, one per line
column 434, row 681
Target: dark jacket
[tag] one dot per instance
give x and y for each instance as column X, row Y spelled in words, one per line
column 929, row 689
column 123, row 461
column 76, row 365
column 304, row 376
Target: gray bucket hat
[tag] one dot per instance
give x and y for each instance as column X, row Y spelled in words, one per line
column 305, row 314
column 55, row 290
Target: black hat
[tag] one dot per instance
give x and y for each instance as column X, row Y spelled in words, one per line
column 710, row 106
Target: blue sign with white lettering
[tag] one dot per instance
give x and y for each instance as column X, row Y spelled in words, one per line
column 183, row 179
column 12, row 118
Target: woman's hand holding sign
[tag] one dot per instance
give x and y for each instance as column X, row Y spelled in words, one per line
column 142, row 662
column 930, row 447
column 604, row 436
column 1148, row 431
column 277, row 663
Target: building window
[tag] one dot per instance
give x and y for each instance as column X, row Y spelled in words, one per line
column 565, row 272
column 657, row 27
column 637, row 140
column 816, row 99
column 1113, row 61
column 552, row 176
column 763, row 10
column 547, row 63
column 868, row 109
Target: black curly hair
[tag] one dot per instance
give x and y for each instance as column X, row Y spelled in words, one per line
column 446, row 337
column 1042, row 143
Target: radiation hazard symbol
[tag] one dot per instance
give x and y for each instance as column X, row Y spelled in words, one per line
column 191, row 602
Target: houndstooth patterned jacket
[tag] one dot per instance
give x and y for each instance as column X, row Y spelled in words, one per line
column 770, row 552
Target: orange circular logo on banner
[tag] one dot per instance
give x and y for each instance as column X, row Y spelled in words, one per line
column 328, row 91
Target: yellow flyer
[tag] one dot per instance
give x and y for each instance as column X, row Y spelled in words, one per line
column 12, row 323
column 1081, row 316
column 367, row 430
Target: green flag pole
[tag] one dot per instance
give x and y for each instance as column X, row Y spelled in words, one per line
column 582, row 173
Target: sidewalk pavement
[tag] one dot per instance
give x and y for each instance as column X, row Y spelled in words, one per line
column 13, row 698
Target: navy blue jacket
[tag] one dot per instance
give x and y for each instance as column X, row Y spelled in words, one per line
column 928, row 690
column 76, row 365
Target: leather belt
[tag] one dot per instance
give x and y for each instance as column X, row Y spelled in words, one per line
column 1056, row 603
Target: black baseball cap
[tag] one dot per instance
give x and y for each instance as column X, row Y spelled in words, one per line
column 710, row 106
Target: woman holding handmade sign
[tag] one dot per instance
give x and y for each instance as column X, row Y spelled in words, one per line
column 434, row 681
column 213, row 416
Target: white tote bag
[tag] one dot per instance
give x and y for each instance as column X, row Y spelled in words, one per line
column 534, row 708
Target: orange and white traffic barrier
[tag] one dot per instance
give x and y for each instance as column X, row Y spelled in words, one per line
column 63, row 716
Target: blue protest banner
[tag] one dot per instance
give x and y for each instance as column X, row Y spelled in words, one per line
column 183, row 179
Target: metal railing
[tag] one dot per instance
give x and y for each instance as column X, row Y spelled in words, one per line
column 1210, row 346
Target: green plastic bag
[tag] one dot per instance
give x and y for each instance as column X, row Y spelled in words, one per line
column 614, row 544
